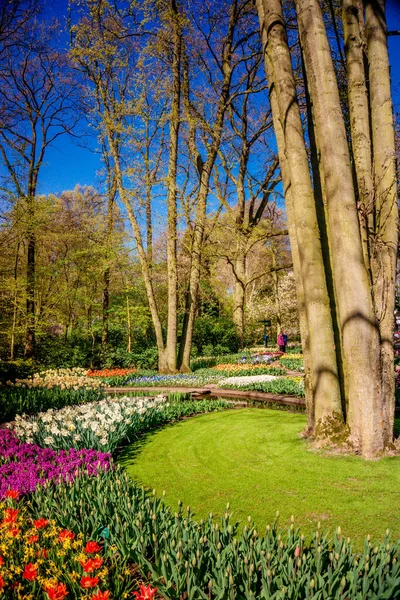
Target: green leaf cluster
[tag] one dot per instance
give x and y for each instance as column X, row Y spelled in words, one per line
column 285, row 386
column 19, row 400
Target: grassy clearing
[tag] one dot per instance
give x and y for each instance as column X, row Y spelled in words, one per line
column 254, row 459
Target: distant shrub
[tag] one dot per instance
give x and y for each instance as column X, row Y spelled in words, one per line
column 18, row 369
column 215, row 335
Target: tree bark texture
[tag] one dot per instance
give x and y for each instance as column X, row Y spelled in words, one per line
column 239, row 292
column 30, row 335
column 106, row 277
column 201, row 206
column 172, row 329
column 385, row 240
column 325, row 382
column 352, row 18
column 304, row 332
column 360, row 335
column 357, row 216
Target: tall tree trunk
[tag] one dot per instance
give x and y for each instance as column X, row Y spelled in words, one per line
column 325, row 383
column 112, row 190
column 172, row 331
column 194, row 280
column 289, row 203
column 15, row 303
column 239, row 293
column 321, row 209
column 149, row 186
column 30, row 336
column 128, row 325
column 360, row 336
column 201, row 208
column 148, row 283
column 105, row 306
column 353, row 25
column 384, row 251
column 275, row 279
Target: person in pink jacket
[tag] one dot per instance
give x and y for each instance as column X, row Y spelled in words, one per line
column 282, row 341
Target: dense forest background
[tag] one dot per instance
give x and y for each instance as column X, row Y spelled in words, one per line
column 83, row 299
column 187, row 217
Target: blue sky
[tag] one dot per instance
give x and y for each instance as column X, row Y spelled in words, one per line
column 68, row 164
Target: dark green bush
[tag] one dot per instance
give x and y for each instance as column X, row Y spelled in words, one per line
column 215, row 560
column 55, row 352
column 17, row 369
column 215, row 334
column 109, row 357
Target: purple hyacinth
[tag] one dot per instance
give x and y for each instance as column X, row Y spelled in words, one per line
column 24, row 466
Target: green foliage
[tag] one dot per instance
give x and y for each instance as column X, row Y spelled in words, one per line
column 294, row 350
column 284, row 386
column 17, row 369
column 215, row 335
column 109, row 357
column 77, row 351
column 217, row 350
column 214, row 559
column 55, row 352
column 294, row 364
column 147, row 359
column 18, row 400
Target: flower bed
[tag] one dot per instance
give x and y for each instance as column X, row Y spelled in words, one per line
column 292, row 386
column 213, row 559
column 39, row 559
column 245, row 380
column 59, row 378
column 24, row 466
column 181, row 380
column 204, row 376
column 126, row 526
column 106, row 424
column 110, row 372
column 294, row 364
column 100, row 425
column 243, row 369
column 117, row 377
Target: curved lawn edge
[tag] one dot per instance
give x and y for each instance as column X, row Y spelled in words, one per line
column 197, row 462
column 214, row 392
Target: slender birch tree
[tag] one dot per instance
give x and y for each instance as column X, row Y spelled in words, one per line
column 225, row 63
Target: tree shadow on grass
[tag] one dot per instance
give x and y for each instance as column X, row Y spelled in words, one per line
column 125, row 455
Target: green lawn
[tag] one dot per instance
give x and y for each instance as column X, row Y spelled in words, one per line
column 254, row 459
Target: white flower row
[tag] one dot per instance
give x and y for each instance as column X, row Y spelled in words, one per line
column 99, row 425
column 245, row 380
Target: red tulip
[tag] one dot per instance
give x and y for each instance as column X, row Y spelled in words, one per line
column 145, row 593
column 89, row 582
column 30, row 572
column 92, row 548
column 56, row 592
